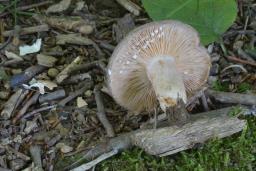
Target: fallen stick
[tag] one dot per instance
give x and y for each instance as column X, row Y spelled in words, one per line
column 93, row 163
column 28, row 30
column 234, row 59
column 234, row 98
column 13, row 103
column 78, row 92
column 101, row 114
column 24, row 109
column 170, row 140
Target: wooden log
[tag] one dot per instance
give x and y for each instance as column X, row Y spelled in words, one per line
column 172, row 139
column 234, row 98
column 202, row 127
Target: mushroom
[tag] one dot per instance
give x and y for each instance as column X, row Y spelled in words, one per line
column 157, row 63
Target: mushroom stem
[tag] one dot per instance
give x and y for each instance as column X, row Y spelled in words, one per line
column 167, row 81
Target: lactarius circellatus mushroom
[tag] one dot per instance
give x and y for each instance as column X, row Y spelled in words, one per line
column 158, row 63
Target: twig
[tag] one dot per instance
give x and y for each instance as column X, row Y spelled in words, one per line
column 65, row 72
column 235, row 59
column 93, row 163
column 234, row 98
column 77, row 78
column 6, row 43
column 38, row 110
column 130, row 6
column 234, row 66
column 11, row 104
column 23, row 8
column 28, row 30
column 27, row 75
column 52, row 96
column 101, row 113
column 24, row 109
column 88, row 66
column 73, row 95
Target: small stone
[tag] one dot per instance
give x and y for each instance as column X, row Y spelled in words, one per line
column 18, row 139
column 4, row 95
column 53, row 72
column 64, row 148
column 214, row 69
column 45, row 60
column 88, row 93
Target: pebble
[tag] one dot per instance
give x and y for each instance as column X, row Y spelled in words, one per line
column 88, row 93
column 53, row 72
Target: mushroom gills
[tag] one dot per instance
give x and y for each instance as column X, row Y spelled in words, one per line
column 167, row 81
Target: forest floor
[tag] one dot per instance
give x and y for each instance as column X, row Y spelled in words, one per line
column 48, row 111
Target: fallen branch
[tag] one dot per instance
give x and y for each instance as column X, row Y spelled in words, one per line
column 234, row 59
column 170, row 140
column 93, row 163
column 234, row 98
column 28, row 30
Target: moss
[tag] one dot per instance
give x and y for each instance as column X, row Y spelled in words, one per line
column 237, row 152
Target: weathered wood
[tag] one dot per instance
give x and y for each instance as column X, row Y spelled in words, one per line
column 235, row 98
column 202, row 127
column 173, row 139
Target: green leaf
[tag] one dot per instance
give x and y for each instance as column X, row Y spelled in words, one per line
column 210, row 18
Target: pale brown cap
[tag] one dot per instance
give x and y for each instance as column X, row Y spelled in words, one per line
column 130, row 77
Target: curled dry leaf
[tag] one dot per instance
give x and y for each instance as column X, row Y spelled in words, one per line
column 40, row 84
column 27, row 49
column 59, row 7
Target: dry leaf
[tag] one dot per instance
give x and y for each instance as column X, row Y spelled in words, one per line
column 11, row 55
column 81, row 102
column 27, row 49
column 59, row 7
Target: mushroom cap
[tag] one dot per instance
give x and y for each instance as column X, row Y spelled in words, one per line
column 127, row 69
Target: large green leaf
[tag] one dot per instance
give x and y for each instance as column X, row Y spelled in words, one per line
column 210, row 18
